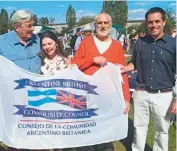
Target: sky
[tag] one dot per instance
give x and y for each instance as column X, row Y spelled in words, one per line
column 57, row 9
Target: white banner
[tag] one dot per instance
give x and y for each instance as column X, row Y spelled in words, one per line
column 67, row 110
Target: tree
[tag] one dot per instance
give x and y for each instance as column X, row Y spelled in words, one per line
column 43, row 21
column 108, row 7
column 64, row 30
column 170, row 20
column 170, row 23
column 12, row 13
column 118, row 10
column 70, row 17
column 46, row 21
column 35, row 19
column 130, row 28
column 85, row 20
column 10, row 26
column 4, row 21
column 52, row 19
column 121, row 13
column 142, row 28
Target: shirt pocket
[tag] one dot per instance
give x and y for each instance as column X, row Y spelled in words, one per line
column 14, row 57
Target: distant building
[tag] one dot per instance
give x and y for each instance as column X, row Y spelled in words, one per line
column 58, row 27
column 133, row 23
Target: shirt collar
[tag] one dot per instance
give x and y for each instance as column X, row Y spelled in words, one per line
column 164, row 38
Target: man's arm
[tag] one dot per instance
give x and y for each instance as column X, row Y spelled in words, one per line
column 132, row 63
column 125, row 84
column 127, row 68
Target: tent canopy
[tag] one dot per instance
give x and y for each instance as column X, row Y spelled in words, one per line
column 41, row 28
column 117, row 27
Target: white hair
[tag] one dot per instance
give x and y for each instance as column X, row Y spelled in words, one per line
column 110, row 19
column 21, row 15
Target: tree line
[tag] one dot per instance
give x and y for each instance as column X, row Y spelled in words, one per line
column 118, row 10
column 6, row 25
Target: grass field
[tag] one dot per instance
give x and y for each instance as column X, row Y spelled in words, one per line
column 125, row 145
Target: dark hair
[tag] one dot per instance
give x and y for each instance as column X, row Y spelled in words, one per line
column 78, row 30
column 51, row 35
column 156, row 10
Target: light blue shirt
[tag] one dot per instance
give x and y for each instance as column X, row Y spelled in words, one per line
column 23, row 56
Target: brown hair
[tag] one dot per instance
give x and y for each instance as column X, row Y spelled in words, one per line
column 51, row 35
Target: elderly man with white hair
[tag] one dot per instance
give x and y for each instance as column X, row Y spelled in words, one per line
column 93, row 53
column 21, row 46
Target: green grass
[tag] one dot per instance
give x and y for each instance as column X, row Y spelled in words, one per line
column 150, row 137
column 2, row 146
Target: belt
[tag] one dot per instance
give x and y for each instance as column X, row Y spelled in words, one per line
column 155, row 91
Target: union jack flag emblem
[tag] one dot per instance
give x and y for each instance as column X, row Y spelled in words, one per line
column 71, row 100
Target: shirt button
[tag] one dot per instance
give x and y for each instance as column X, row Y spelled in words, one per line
column 152, row 70
column 153, row 51
column 29, row 68
column 154, row 43
column 151, row 78
column 151, row 87
column 152, row 60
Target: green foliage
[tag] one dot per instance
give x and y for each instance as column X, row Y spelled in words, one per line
column 121, row 12
column 170, row 20
column 52, row 19
column 70, row 17
column 43, row 21
column 142, row 28
column 170, row 23
column 118, row 10
column 10, row 26
column 130, row 28
column 108, row 7
column 3, row 21
column 35, row 19
column 85, row 20
column 64, row 30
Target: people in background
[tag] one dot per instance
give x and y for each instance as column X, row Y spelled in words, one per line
column 173, row 32
column 121, row 38
column 87, row 31
column 73, row 39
